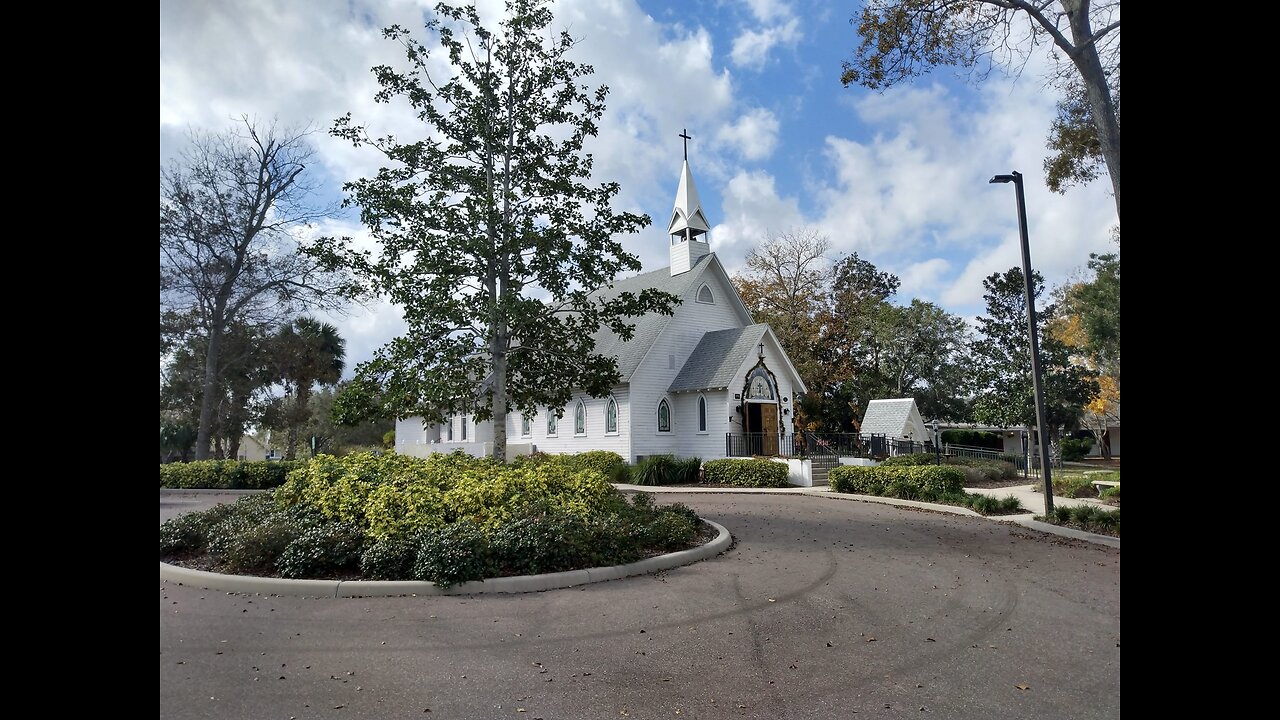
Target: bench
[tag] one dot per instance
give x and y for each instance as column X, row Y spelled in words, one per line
column 1104, row 484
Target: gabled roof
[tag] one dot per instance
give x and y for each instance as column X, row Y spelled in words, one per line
column 888, row 417
column 649, row 326
column 716, row 359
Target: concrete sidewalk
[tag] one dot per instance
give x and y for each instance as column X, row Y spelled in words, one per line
column 1026, row 494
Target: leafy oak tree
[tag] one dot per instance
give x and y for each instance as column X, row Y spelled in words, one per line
column 1088, row 321
column 902, row 39
column 784, row 284
column 1002, row 360
column 491, row 234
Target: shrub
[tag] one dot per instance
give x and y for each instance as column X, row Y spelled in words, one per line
column 390, row 559
column 620, row 474
column 189, row 532
column 988, row 505
column 924, row 482
column 453, row 554
column 1074, row 486
column 227, row 474
column 1110, row 494
column 743, row 472
column 1076, row 448
column 602, row 461
column 687, row 471
column 656, row 470
column 973, row 438
column 322, row 550
column 681, row 509
column 669, row 531
column 911, row 460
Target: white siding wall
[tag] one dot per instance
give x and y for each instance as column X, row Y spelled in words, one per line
column 654, row 375
column 565, row 441
column 689, row 442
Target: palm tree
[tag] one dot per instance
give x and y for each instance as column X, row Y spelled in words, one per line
column 308, row 352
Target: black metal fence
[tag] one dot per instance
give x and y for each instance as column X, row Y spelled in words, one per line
column 816, row 444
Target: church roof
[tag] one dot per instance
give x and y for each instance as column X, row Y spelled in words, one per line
column 888, row 417
column 717, row 358
column 649, row 326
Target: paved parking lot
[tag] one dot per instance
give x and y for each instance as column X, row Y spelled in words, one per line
column 824, row 608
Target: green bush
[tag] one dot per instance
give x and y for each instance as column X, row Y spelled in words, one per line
column 446, row 519
column 394, row 495
column 922, row 482
column 189, row 532
column 227, row 474
column 744, row 472
column 988, row 505
column 602, row 461
column 1087, row 517
column 453, row 554
column 656, row 470
column 1076, row 448
column 688, row 471
column 322, row 550
column 973, row 438
column 390, row 559
column 911, row 460
column 1110, row 493
column 985, row 469
column 1074, row 486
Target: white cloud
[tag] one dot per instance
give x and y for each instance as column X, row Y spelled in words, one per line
column 751, row 48
column 768, row 10
column 751, row 210
column 922, row 279
column 753, row 135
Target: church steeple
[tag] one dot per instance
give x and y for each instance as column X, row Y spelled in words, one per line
column 688, row 226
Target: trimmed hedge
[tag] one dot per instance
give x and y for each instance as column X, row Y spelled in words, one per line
column 227, row 474
column 973, row 438
column 279, row 533
column 911, row 460
column 391, row 495
column 744, row 472
column 924, row 482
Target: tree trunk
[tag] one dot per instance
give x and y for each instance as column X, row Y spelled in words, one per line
column 233, row 448
column 204, row 433
column 301, row 399
column 1085, row 58
column 499, row 397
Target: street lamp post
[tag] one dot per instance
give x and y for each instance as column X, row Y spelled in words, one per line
column 1037, row 379
column 937, row 441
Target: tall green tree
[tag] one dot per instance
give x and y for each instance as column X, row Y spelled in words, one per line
column 902, row 39
column 922, row 352
column 233, row 206
column 491, row 232
column 308, row 352
column 242, row 396
column 1002, row 360
column 1088, row 321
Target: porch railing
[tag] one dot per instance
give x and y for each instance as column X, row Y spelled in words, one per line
column 806, row 444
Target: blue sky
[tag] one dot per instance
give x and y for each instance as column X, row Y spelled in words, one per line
column 778, row 144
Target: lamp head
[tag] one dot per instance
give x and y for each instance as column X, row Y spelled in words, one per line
column 1001, row 179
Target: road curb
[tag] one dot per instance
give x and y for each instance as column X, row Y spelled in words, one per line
column 393, row 588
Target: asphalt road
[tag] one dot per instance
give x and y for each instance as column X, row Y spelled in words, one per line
column 825, row 608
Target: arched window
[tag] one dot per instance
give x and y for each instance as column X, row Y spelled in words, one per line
column 551, row 422
column 705, row 296
column 702, row 414
column 664, row 416
column 611, row 417
column 580, row 419
column 526, row 425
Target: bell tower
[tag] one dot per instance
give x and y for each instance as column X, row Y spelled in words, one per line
column 688, row 227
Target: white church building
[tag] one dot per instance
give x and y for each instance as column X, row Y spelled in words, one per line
column 704, row 382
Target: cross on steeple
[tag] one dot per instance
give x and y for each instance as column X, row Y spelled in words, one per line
column 684, row 133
